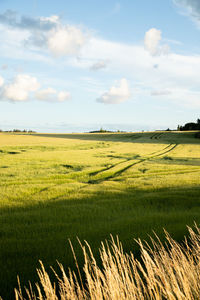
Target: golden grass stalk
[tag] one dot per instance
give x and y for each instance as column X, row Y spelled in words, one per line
column 165, row 271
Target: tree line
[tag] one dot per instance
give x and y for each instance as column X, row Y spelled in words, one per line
column 18, row 130
column 190, row 126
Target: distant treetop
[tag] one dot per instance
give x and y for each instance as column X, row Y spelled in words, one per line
column 190, row 126
column 18, row 130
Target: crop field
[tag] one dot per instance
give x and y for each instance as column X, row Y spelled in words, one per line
column 56, row 187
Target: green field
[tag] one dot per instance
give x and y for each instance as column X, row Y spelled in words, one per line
column 60, row 186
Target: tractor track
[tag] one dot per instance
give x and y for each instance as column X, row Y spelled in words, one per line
column 169, row 148
column 152, row 155
column 126, row 160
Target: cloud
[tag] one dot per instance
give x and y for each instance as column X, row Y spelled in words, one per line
column 11, row 19
column 46, row 94
column 152, row 41
column 20, row 88
column 65, row 40
column 1, row 81
column 46, row 33
column 116, row 94
column 160, row 93
column 98, row 65
column 192, row 7
column 63, row 96
column 51, row 95
column 149, row 73
column 186, row 97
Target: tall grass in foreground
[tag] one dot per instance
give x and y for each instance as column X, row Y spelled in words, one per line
column 165, row 271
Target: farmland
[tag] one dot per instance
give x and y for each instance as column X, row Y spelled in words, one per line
column 55, row 187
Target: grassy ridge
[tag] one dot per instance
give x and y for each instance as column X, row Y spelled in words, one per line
column 55, row 187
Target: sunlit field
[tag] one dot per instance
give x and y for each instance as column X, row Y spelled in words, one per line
column 59, row 187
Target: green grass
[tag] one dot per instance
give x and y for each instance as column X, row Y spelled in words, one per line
column 55, row 187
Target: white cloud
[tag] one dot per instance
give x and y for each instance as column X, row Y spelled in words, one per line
column 186, row 97
column 46, row 94
column 149, row 73
column 175, row 71
column 20, row 88
column 1, row 81
column 116, row 94
column 65, row 40
column 63, row 96
column 51, row 95
column 152, row 41
column 44, row 33
column 52, row 19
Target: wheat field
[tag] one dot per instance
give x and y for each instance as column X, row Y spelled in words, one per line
column 164, row 271
column 56, row 187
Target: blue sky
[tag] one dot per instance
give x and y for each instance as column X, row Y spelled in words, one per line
column 68, row 66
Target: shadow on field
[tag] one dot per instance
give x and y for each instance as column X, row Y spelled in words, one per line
column 41, row 232
column 164, row 137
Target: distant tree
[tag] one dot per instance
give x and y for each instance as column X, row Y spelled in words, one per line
column 198, row 124
column 31, row 131
column 190, row 126
column 16, row 130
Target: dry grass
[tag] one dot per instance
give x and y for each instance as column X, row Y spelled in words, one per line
column 165, row 271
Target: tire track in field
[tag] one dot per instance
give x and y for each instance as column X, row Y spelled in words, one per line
column 107, row 168
column 123, row 169
column 121, row 162
column 165, row 150
column 113, row 165
column 172, row 148
column 156, row 136
column 155, row 152
column 158, row 153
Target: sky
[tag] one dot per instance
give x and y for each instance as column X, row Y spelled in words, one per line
column 75, row 66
